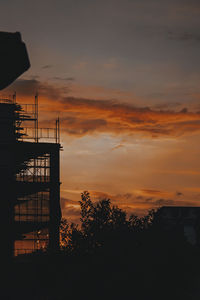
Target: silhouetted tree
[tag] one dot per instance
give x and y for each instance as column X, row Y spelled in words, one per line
column 107, row 229
column 102, row 226
column 145, row 222
column 71, row 237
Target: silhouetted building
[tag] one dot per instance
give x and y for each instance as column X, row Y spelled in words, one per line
column 30, row 184
column 185, row 219
column 14, row 59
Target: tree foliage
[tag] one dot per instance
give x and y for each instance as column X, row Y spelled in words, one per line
column 102, row 226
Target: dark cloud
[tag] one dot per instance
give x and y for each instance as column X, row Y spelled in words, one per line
column 169, row 105
column 134, row 199
column 179, row 194
column 28, row 87
column 184, row 37
column 47, row 66
column 164, row 202
column 82, row 127
column 149, row 199
column 70, row 78
column 184, row 110
column 63, row 79
column 32, row 77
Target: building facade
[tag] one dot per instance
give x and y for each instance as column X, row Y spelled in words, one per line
column 30, row 180
column 182, row 219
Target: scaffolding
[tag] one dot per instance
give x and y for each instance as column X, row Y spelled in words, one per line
column 29, row 164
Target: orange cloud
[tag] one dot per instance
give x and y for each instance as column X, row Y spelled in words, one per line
column 82, row 116
column 86, row 116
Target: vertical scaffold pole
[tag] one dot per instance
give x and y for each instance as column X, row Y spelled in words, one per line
column 58, row 130
column 14, row 97
column 36, row 118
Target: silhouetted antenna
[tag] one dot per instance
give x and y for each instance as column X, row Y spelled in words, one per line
column 36, row 117
column 58, row 130
column 14, row 97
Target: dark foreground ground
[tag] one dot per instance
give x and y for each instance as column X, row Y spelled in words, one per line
column 146, row 273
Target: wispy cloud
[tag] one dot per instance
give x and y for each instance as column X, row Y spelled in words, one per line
column 47, row 66
column 63, row 79
column 118, row 147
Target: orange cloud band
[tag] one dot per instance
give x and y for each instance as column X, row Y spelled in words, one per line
column 81, row 116
column 85, row 116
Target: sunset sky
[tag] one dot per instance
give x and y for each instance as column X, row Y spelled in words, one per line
column 124, row 78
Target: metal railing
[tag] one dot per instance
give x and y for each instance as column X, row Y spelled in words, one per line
column 32, row 178
column 28, row 133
